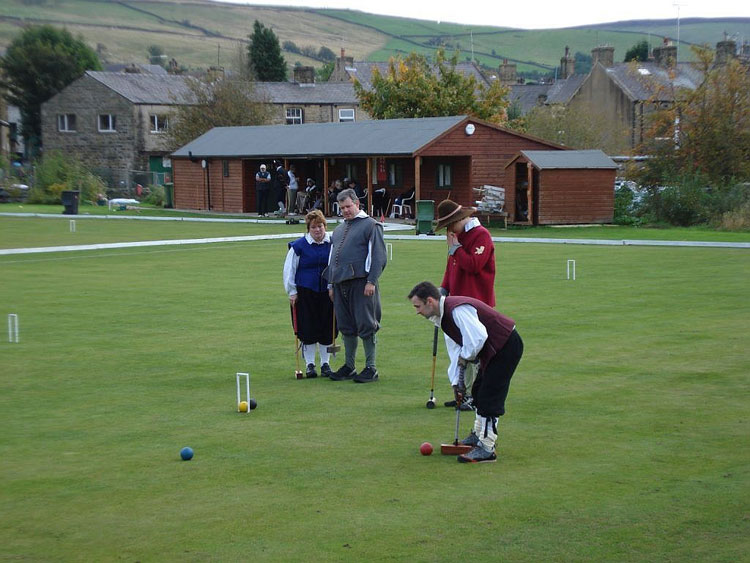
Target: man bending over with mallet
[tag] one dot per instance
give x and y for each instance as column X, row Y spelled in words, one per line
column 475, row 330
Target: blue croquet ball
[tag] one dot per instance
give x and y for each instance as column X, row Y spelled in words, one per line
column 186, row 454
column 253, row 404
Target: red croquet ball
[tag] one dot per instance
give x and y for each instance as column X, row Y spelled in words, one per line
column 425, row 449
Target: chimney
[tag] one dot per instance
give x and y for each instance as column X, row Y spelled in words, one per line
column 304, row 75
column 666, row 55
column 507, row 73
column 604, row 55
column 725, row 51
column 567, row 65
column 340, row 73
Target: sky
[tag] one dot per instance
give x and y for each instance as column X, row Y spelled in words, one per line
column 542, row 14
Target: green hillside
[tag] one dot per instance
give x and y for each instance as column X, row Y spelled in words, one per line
column 199, row 33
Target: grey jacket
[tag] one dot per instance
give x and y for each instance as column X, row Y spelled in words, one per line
column 357, row 251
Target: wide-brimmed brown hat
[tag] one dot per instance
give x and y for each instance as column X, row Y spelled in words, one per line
column 449, row 212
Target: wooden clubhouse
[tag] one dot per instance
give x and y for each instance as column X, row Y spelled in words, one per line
column 437, row 157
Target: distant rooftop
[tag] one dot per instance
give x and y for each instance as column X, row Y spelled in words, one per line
column 162, row 89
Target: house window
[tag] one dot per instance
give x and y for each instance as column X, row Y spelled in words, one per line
column 107, row 122
column 444, row 176
column 159, row 123
column 395, row 174
column 294, row 116
column 346, row 115
column 66, row 122
column 225, row 168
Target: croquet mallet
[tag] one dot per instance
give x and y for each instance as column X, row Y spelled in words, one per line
column 298, row 373
column 431, row 402
column 457, row 448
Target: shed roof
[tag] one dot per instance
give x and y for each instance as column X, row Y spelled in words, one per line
column 146, row 88
column 397, row 137
column 568, row 159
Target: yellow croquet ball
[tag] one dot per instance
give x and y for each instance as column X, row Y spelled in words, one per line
column 243, row 406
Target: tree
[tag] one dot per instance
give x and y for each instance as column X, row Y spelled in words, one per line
column 706, row 130
column 266, row 61
column 570, row 126
column 223, row 103
column 323, row 73
column 40, row 62
column 583, row 63
column 638, row 52
column 326, row 54
column 156, row 55
column 413, row 87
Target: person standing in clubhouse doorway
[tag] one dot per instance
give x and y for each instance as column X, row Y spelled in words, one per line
column 263, row 189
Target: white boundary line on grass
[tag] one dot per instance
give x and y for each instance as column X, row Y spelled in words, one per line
column 602, row 242
column 388, row 227
column 250, row 238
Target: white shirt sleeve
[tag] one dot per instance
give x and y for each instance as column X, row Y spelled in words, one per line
column 453, row 352
column 290, row 272
column 474, row 335
column 472, row 330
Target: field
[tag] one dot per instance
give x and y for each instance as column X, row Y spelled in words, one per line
column 626, row 436
column 199, row 34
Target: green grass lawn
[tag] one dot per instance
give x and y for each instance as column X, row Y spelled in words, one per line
column 626, row 436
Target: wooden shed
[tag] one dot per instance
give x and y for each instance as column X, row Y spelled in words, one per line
column 560, row 187
column 439, row 157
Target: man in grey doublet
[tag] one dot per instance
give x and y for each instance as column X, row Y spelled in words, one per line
column 356, row 262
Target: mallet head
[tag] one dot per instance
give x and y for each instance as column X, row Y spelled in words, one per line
column 430, row 404
column 299, row 375
column 333, row 349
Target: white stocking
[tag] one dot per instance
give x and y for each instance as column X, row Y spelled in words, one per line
column 308, row 351
column 486, row 429
column 325, row 355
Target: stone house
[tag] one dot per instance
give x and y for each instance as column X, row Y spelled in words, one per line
column 624, row 94
column 305, row 101
column 115, row 123
column 525, row 97
column 346, row 69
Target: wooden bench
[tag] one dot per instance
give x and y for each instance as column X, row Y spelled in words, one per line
column 494, row 216
column 491, row 204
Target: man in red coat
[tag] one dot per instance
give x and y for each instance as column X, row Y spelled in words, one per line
column 470, row 271
column 471, row 254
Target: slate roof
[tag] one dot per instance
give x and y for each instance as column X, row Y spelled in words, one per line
column 142, row 67
column 642, row 82
column 569, row 159
column 526, row 96
column 362, row 71
column 562, row 91
column 146, row 88
column 297, row 93
column 396, row 137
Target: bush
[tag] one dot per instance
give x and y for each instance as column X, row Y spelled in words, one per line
column 56, row 173
column 155, row 196
column 737, row 219
column 628, row 197
column 682, row 205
